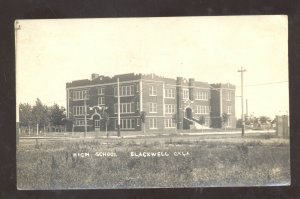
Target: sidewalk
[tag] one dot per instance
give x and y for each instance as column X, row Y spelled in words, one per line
column 134, row 134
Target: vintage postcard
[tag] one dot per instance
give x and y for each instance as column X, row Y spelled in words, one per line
column 152, row 102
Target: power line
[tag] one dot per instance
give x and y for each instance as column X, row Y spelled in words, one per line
column 266, row 83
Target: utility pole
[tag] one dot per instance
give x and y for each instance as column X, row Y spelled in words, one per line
column 242, row 99
column 247, row 108
column 85, row 129
column 119, row 120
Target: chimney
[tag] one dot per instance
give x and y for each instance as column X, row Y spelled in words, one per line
column 94, row 76
column 191, row 88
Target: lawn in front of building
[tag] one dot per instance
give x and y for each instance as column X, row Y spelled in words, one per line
column 161, row 161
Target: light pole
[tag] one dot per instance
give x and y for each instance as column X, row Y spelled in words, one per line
column 242, row 99
column 85, row 123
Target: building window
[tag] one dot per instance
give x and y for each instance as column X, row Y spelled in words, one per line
column 202, row 109
column 79, row 122
column 124, row 108
column 152, row 91
column 137, row 106
column 124, row 91
column 101, row 91
column 101, row 101
column 169, row 123
column 201, row 95
column 169, row 93
column 185, row 94
column 228, row 109
column 80, row 95
column 169, row 108
column 152, row 108
column 228, row 96
column 152, row 123
column 228, row 124
column 125, row 123
column 138, row 122
column 78, row 110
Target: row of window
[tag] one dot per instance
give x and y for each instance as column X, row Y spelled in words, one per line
column 124, row 108
column 78, row 110
column 169, row 108
column 207, row 109
column 128, row 90
column 202, row 109
column 132, row 123
column 129, row 108
column 127, row 124
column 80, row 95
column 79, row 122
column 169, row 93
column 125, row 91
column 167, row 122
column 201, row 95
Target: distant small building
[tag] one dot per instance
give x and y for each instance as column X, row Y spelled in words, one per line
column 283, row 126
column 168, row 103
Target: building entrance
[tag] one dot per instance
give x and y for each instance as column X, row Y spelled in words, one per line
column 187, row 120
column 97, row 125
column 188, row 113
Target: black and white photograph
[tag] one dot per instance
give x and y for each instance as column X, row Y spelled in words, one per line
column 152, row 102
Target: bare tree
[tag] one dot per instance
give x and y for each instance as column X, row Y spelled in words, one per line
column 201, row 121
column 105, row 120
column 175, row 120
column 143, row 120
column 225, row 118
column 72, row 119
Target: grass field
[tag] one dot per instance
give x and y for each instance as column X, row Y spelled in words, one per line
column 184, row 161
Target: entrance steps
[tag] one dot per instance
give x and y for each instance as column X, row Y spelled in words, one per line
column 195, row 125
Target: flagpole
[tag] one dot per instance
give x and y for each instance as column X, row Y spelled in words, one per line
column 119, row 120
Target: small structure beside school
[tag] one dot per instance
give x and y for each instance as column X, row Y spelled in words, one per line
column 282, row 126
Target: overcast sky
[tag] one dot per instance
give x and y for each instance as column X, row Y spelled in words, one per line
column 211, row 49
